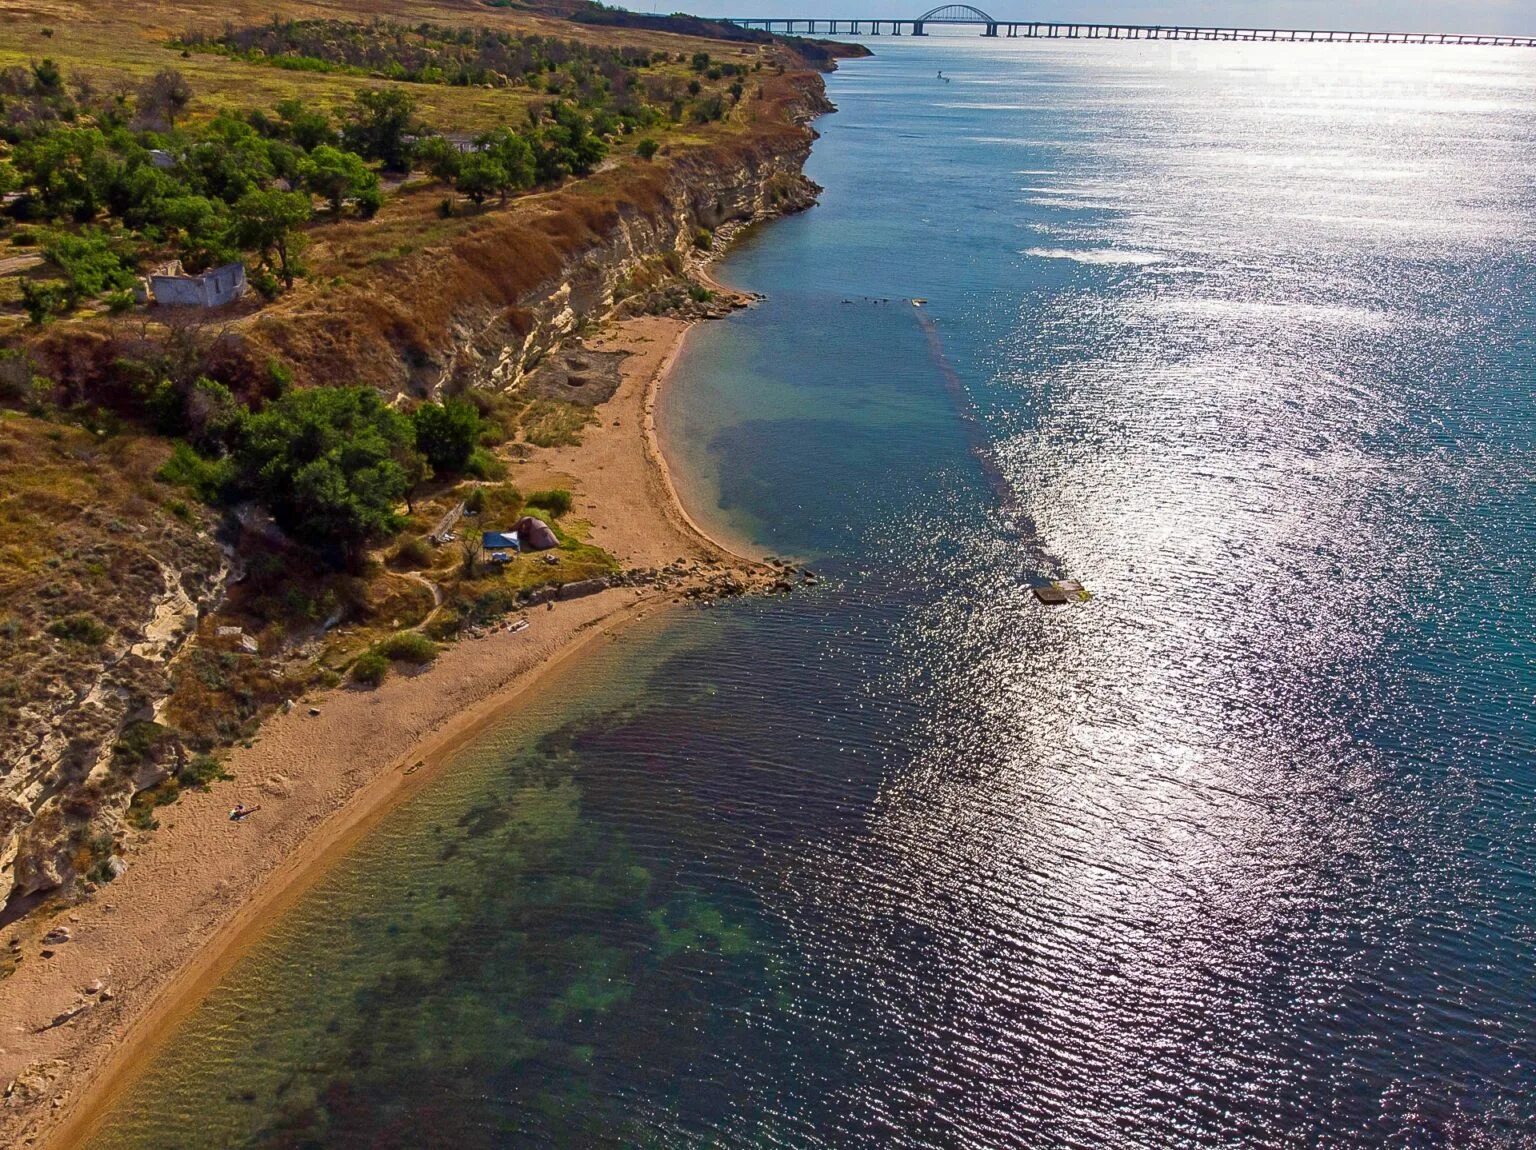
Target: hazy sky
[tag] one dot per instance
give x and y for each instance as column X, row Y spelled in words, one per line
column 1510, row 16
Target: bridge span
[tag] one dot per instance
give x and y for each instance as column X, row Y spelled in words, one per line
column 967, row 15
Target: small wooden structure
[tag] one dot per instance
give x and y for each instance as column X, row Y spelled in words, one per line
column 1061, row 592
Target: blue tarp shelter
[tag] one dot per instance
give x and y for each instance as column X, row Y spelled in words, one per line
column 500, row 541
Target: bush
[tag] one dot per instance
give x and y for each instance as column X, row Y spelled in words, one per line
column 556, row 501
column 370, row 669
column 704, row 239
column 484, row 465
column 42, row 300
column 207, row 478
column 647, row 148
column 408, row 647
column 91, row 261
column 446, row 433
column 80, row 628
column 201, row 772
column 413, row 553
column 445, row 626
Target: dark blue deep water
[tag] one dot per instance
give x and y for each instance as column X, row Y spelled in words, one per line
column 1238, row 853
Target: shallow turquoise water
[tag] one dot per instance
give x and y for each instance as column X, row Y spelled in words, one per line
column 1238, row 853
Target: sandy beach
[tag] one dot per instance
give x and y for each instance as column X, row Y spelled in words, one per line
column 78, row 1024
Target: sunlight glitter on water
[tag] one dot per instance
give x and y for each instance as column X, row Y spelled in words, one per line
column 1239, row 852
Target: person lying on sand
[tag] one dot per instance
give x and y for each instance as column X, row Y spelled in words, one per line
column 241, row 811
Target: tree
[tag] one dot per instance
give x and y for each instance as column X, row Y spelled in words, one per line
column 229, row 159
column 336, row 175
column 480, row 176
column 92, row 263
column 162, row 98
column 567, row 145
column 326, row 463
column 513, row 155
column 305, row 126
column 269, row 223
column 201, row 229
column 647, row 148
column 447, row 434
column 380, row 120
column 439, row 158
column 72, row 170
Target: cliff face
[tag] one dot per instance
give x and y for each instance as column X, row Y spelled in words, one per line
column 478, row 310
column 101, row 589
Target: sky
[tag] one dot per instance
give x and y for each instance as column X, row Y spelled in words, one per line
column 1487, row 16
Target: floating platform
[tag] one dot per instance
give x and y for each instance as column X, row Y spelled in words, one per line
column 1062, row 592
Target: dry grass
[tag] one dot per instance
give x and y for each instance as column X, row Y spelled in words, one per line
column 127, row 42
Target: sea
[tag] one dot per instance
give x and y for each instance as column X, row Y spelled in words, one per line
column 1238, row 852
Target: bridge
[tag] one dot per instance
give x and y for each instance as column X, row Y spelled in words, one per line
column 969, row 15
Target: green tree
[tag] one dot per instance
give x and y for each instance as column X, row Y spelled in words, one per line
column 305, row 126
column 379, row 121
column 229, row 159
column 326, row 463
column 439, row 158
column 336, row 175
column 567, row 145
column 514, row 155
column 647, row 148
column 447, row 434
column 480, row 176
column 71, row 169
column 91, row 261
column 268, row 223
column 200, row 228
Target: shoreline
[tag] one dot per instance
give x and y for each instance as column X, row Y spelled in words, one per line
column 212, row 886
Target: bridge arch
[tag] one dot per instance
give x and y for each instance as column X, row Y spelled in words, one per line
column 954, row 14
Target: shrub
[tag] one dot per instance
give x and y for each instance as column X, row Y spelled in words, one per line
column 207, row 478
column 91, row 261
column 445, row 626
column 413, row 553
column 80, row 628
column 484, row 465
column 647, row 148
column 42, row 300
column 556, row 501
column 202, row 771
column 408, row 647
column 370, row 669
column 446, row 433
column 704, row 239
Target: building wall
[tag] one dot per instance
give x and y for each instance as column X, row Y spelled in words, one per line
column 211, row 289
